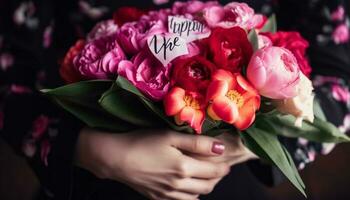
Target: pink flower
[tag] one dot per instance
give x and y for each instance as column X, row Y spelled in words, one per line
column 102, row 29
column 338, row 14
column 341, row 34
column 20, row 89
column 147, row 74
column 40, row 126
column 340, row 93
column 132, row 36
column 274, row 72
column 44, row 151
column 160, row 2
column 47, row 36
column 264, row 41
column 157, row 16
column 232, row 14
column 99, row 59
column 6, row 61
column 191, row 7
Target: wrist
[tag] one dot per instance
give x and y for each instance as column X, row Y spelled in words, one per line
column 100, row 152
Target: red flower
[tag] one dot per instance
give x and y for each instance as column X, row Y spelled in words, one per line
column 68, row 72
column 232, row 99
column 186, row 107
column 295, row 43
column 230, row 48
column 192, row 74
column 127, row 14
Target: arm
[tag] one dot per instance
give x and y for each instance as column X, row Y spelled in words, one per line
column 152, row 162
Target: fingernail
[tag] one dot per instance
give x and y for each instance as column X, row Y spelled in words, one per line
column 218, row 148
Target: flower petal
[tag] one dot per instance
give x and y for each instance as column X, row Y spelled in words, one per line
column 224, row 75
column 246, row 115
column 216, row 89
column 212, row 114
column 193, row 117
column 225, row 109
column 173, row 101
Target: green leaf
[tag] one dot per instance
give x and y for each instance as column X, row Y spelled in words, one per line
column 81, row 99
column 318, row 131
column 153, row 107
column 126, row 85
column 128, row 107
column 253, row 39
column 170, row 121
column 270, row 25
column 82, row 89
column 268, row 147
column 93, row 116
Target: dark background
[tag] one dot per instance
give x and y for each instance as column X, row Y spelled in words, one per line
column 326, row 179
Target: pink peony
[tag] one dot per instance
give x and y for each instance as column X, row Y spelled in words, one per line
column 341, row 34
column 232, row 14
column 191, row 7
column 132, row 36
column 99, row 59
column 274, row 72
column 147, row 74
column 264, row 41
column 102, row 29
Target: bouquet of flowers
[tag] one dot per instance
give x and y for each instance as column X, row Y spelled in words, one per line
column 198, row 67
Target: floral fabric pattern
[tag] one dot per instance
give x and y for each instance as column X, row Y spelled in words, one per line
column 34, row 36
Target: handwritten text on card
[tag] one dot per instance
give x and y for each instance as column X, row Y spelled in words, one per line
column 167, row 47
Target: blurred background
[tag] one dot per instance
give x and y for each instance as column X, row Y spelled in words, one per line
column 326, row 179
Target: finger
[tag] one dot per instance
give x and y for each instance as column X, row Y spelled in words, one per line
column 202, row 169
column 202, row 145
column 197, row 186
column 176, row 195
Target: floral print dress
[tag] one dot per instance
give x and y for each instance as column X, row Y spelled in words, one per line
column 34, row 35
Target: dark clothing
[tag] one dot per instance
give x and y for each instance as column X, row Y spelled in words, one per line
column 34, row 36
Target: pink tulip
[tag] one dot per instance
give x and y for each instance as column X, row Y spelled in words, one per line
column 274, row 72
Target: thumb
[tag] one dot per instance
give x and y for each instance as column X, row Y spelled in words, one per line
column 202, row 145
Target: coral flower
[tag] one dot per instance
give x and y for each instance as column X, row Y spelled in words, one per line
column 187, row 107
column 232, row 99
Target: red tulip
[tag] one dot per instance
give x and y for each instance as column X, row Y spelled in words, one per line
column 232, row 99
column 187, row 107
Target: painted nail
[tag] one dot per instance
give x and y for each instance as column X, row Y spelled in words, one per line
column 218, row 148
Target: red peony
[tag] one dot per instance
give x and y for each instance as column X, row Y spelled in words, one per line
column 230, row 48
column 294, row 42
column 192, row 74
column 127, row 14
column 68, row 72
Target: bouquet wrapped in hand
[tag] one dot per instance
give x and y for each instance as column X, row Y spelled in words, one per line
column 198, row 67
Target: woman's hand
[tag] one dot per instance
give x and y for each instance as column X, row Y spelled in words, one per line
column 152, row 162
column 235, row 151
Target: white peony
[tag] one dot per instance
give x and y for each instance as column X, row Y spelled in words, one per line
column 300, row 106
